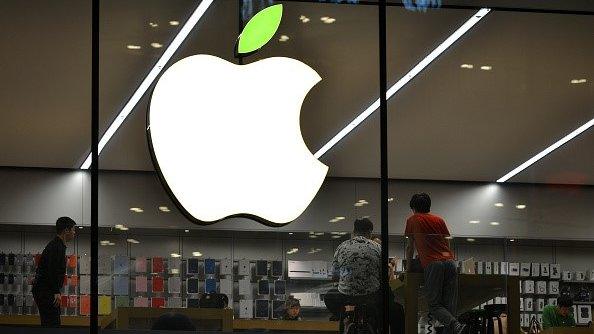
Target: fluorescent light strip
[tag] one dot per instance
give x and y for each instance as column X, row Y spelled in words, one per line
column 405, row 79
column 547, row 151
column 150, row 78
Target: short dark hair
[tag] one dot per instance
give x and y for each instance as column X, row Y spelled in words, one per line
column 173, row 322
column 292, row 302
column 564, row 301
column 420, row 203
column 64, row 223
column 363, row 226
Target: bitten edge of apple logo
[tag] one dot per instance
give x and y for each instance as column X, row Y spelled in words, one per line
column 272, row 17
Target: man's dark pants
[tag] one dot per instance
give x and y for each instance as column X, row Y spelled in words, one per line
column 48, row 312
column 441, row 290
column 335, row 302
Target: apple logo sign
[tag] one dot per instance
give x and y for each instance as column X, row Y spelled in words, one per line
column 225, row 139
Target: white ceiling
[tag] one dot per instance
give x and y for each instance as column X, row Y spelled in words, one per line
column 447, row 124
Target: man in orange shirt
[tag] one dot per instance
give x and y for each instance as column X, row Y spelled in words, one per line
column 429, row 234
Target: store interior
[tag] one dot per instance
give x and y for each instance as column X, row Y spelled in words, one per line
column 514, row 84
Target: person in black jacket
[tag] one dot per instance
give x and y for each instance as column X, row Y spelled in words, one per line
column 49, row 276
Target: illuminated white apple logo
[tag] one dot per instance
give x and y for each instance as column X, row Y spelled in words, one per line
column 226, row 139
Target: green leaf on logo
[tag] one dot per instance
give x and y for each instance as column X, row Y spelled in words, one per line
column 260, row 29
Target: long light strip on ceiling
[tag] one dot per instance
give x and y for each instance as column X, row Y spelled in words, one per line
column 547, row 151
column 150, row 78
column 405, row 79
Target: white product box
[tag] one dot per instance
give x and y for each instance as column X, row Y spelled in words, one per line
column 567, row 276
column 246, row 308
column 541, row 287
column 514, row 269
column 496, row 268
column 522, row 320
column 555, row 271
column 528, row 304
column 584, row 314
column 528, row 287
column 535, row 272
column 480, row 268
column 468, row 267
column 226, row 267
column 540, row 304
column 503, row 300
column 243, row 268
column 521, row 304
column 544, row 269
column 498, row 300
column 525, row 269
column 226, row 286
column 504, row 268
column 580, row 276
column 526, row 319
column 552, row 301
column 488, row 268
column 245, row 287
column 591, row 275
column 553, row 287
column 539, row 318
column 490, row 302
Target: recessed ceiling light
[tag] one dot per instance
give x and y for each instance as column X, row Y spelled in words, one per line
column 578, row 81
column 80, row 227
column 470, row 240
column 473, row 20
column 197, row 254
column 133, row 241
column 474, row 222
column 175, row 255
column 133, row 47
column 137, row 210
column 313, row 236
column 362, row 201
column 124, row 228
column 283, row 38
column 164, row 209
column 486, row 68
column 319, row 234
column 499, row 205
column 391, row 199
column 327, row 19
column 494, row 223
column 153, row 24
column 150, row 78
column 359, row 204
column 333, row 220
column 521, row 206
column 449, row 237
column 512, row 240
column 304, row 19
column 104, row 242
column 187, row 231
column 469, row 66
column 290, row 233
column 156, row 45
column 174, row 23
column 336, row 236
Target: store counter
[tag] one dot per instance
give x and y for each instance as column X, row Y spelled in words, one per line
column 67, row 321
column 473, row 290
column 286, row 325
column 566, row 330
column 124, row 314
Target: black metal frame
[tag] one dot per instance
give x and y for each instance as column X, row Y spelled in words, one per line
column 94, row 319
column 382, row 9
